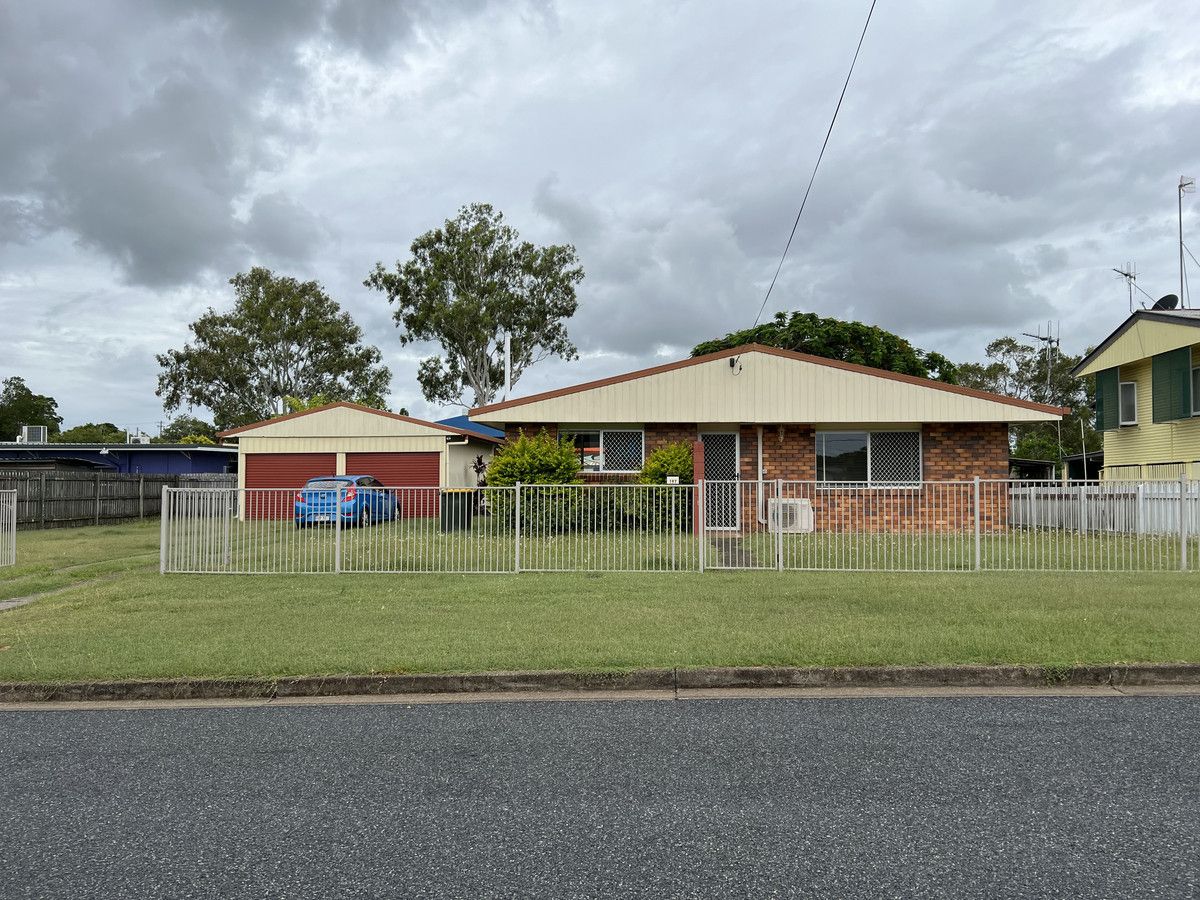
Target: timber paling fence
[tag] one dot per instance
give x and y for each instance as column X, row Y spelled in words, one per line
column 715, row 525
column 8, row 528
column 56, row 499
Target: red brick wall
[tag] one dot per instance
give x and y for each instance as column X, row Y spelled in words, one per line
column 950, row 452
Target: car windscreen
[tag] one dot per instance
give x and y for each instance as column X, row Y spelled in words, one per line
column 328, row 485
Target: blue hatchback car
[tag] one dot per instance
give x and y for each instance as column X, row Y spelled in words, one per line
column 364, row 500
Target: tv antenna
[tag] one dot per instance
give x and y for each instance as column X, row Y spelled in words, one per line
column 1050, row 343
column 1129, row 273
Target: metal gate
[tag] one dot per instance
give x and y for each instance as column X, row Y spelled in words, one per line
column 8, row 528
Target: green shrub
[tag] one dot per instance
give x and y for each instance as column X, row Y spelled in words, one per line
column 669, row 509
column 673, row 459
column 534, row 460
column 540, row 459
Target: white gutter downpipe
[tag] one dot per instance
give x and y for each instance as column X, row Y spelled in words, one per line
column 761, row 518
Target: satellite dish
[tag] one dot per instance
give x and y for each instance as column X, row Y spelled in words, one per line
column 1170, row 301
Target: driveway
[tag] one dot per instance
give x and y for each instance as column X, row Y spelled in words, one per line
column 958, row 797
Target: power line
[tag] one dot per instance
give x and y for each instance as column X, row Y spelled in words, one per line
column 820, row 155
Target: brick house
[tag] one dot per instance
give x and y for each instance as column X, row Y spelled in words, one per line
column 841, row 432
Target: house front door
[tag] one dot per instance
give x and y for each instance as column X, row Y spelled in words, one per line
column 722, row 507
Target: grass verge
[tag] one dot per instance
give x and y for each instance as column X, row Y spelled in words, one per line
column 142, row 625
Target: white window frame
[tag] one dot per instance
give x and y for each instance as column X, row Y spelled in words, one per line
column 601, row 430
column 822, row 484
column 1121, row 420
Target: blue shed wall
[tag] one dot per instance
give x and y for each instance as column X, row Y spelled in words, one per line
column 141, row 462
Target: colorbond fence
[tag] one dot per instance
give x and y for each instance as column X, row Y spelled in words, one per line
column 56, row 499
column 781, row 525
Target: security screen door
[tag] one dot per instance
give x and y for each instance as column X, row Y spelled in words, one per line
column 721, row 507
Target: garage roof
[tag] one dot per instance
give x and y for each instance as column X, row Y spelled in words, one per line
column 759, row 384
column 347, row 420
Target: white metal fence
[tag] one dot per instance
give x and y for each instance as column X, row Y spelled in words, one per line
column 8, row 528
column 782, row 525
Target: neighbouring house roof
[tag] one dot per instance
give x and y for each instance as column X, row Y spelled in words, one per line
column 759, row 384
column 345, row 420
column 465, row 424
column 12, row 446
column 1146, row 333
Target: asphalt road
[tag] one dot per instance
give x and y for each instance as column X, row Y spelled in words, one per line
column 996, row 797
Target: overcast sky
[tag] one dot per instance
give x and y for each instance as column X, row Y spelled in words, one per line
column 991, row 163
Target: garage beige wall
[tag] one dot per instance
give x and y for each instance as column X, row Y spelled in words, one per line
column 460, row 458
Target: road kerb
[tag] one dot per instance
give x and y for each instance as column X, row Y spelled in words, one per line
column 680, row 681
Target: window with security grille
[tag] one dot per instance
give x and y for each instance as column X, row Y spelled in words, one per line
column 896, row 457
column 875, row 457
column 606, row 451
column 621, row 451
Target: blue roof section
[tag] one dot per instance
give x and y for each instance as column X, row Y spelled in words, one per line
column 465, row 424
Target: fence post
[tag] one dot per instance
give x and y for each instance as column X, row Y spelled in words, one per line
column 1141, row 507
column 1183, row 525
column 517, row 547
column 229, row 507
column 778, row 523
column 163, row 532
column 337, row 534
column 702, row 520
column 141, row 498
column 978, row 555
column 96, row 520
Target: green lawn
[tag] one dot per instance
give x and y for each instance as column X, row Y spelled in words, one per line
column 119, row 619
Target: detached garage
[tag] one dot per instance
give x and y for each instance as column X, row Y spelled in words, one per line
column 348, row 439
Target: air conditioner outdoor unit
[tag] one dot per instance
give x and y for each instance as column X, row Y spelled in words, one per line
column 34, row 434
column 790, row 516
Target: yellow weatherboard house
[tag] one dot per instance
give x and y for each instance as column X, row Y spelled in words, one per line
column 1148, row 395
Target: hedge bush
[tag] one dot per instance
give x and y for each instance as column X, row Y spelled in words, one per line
column 673, row 459
column 539, row 459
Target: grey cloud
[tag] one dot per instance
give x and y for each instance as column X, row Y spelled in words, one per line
column 991, row 163
column 142, row 143
column 283, row 228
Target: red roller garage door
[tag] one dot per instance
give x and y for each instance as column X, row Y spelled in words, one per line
column 281, row 470
column 403, row 470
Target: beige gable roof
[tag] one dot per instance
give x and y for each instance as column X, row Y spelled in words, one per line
column 346, row 420
column 764, row 385
column 1144, row 334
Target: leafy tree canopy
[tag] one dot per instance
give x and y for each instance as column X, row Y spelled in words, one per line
column 182, row 427
column 20, row 406
column 282, row 338
column 1020, row 370
column 299, row 404
column 466, row 285
column 92, row 433
column 853, row 342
